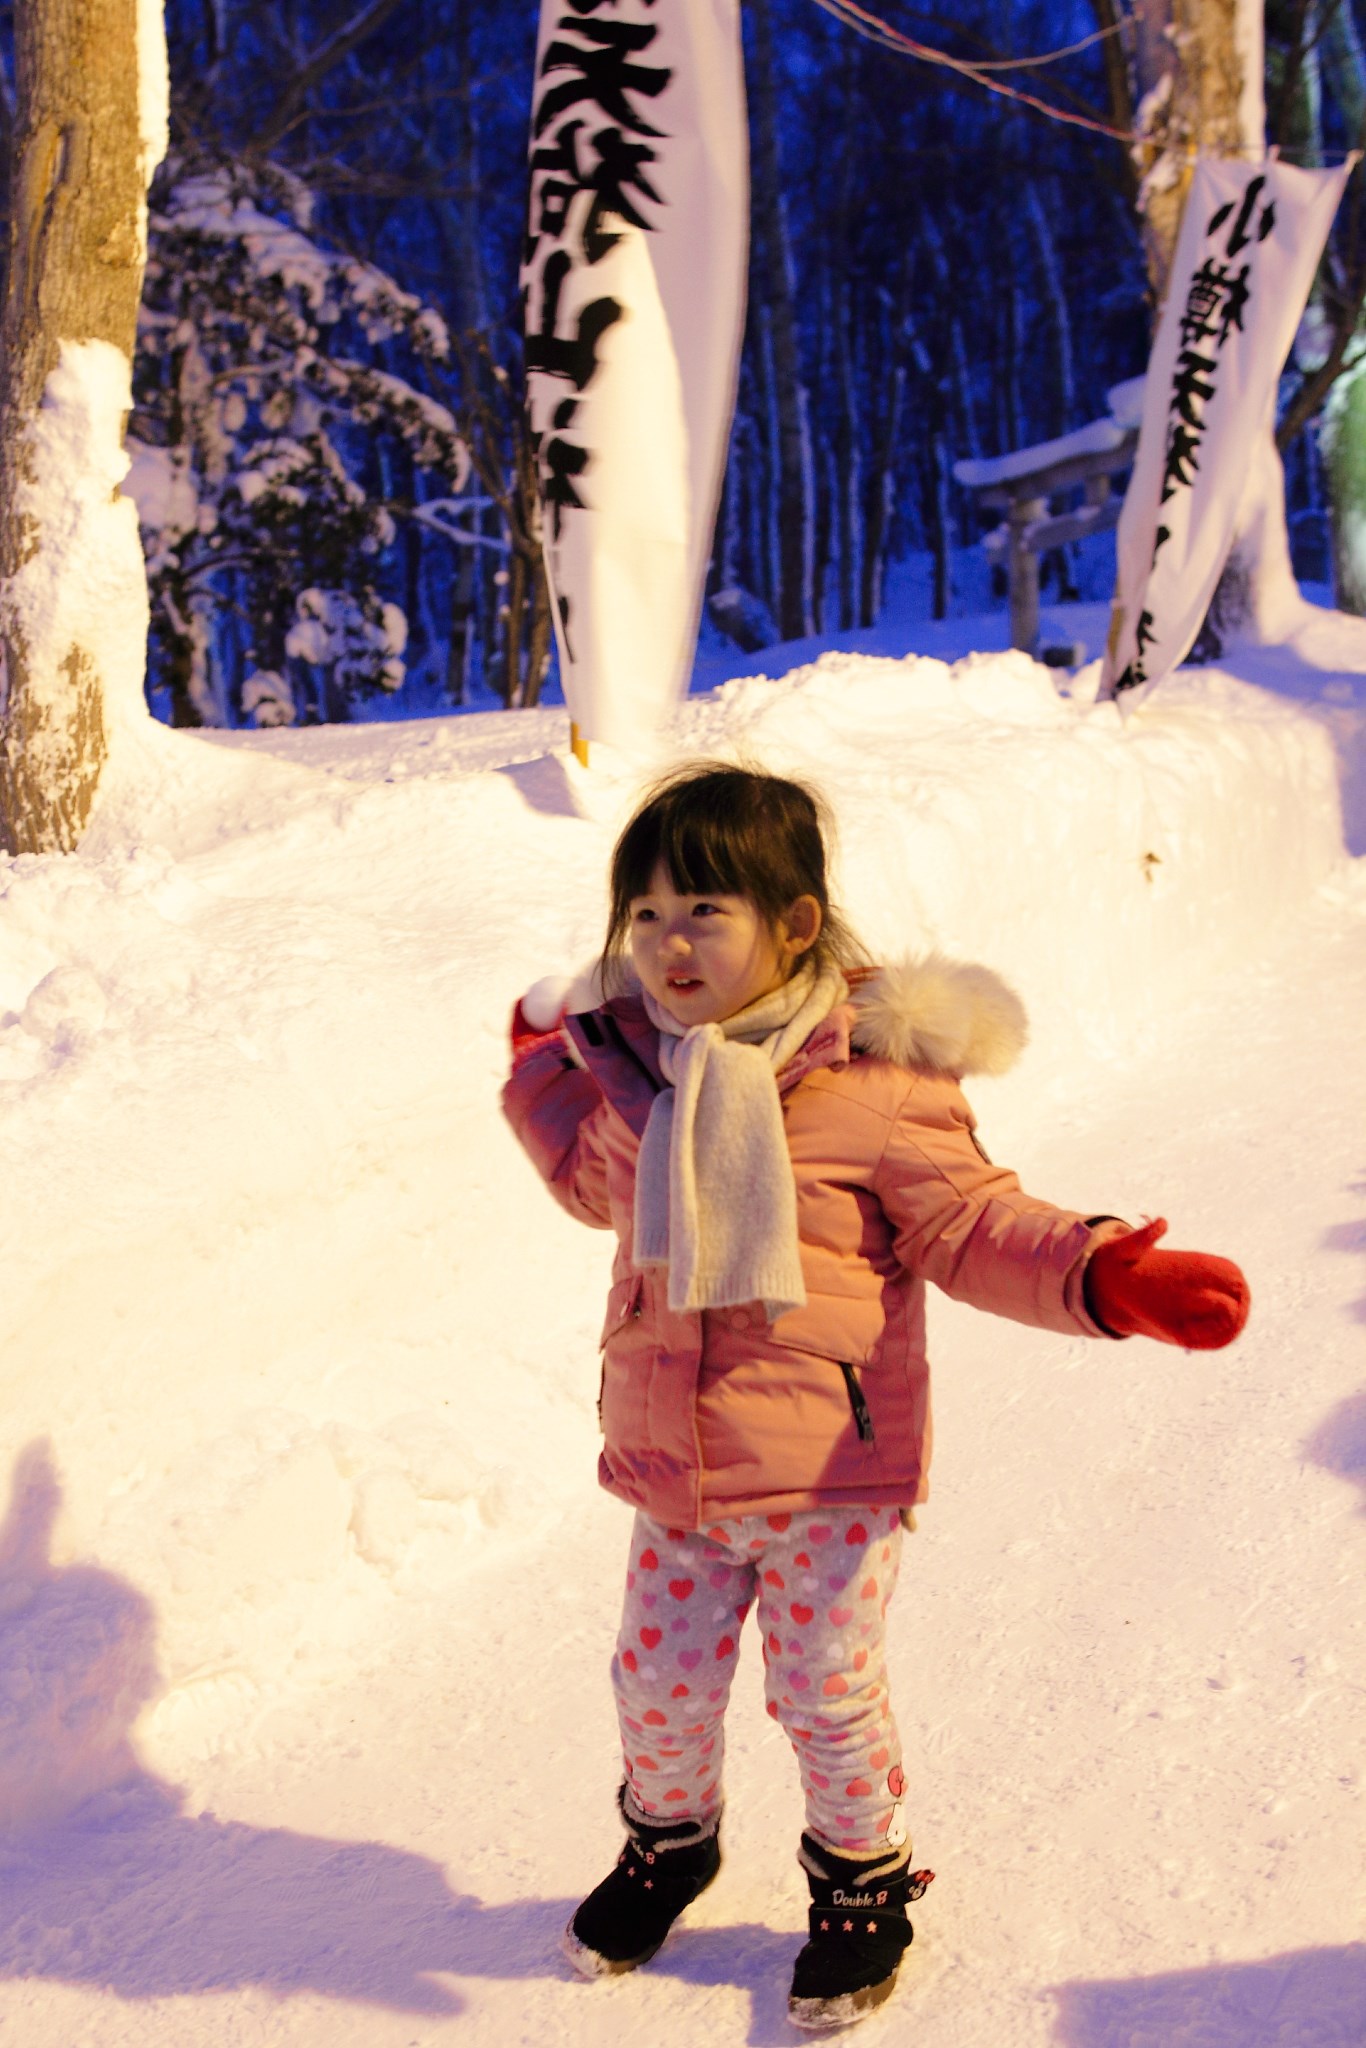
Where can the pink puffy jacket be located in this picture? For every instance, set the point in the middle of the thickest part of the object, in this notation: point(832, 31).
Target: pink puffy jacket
point(714, 1414)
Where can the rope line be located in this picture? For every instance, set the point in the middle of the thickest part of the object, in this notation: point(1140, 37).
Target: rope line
point(1099, 35)
point(875, 30)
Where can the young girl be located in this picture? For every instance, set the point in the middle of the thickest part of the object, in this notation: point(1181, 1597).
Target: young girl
point(776, 1134)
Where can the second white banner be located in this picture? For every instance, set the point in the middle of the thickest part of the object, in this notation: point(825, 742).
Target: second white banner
point(1250, 241)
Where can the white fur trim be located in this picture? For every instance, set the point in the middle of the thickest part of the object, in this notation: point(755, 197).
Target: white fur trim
point(584, 991)
point(543, 1005)
point(940, 1013)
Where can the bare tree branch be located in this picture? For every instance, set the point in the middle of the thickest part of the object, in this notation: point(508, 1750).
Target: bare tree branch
point(324, 59)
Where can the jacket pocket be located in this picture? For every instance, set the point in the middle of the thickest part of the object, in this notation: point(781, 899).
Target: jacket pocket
point(863, 1421)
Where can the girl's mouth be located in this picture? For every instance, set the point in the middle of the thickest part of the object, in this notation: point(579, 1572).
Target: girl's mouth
point(682, 984)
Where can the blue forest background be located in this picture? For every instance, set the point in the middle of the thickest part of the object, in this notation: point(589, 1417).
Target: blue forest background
point(332, 472)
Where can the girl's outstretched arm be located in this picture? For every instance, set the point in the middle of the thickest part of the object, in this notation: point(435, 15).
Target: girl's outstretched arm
point(970, 1227)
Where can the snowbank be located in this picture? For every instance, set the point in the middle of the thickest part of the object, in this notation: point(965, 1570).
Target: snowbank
point(281, 1295)
point(1110, 874)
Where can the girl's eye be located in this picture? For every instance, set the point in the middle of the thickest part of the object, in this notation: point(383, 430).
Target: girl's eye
point(706, 909)
point(642, 916)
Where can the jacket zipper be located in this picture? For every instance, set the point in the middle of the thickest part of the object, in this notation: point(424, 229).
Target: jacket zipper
point(863, 1421)
point(631, 1311)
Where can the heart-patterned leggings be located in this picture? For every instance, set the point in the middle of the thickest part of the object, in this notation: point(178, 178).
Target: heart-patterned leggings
point(822, 1580)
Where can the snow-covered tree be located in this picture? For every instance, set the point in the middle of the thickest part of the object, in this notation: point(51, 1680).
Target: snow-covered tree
point(90, 129)
point(281, 429)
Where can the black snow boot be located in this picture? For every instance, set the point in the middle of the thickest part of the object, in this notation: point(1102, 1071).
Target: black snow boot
point(664, 1866)
point(859, 1932)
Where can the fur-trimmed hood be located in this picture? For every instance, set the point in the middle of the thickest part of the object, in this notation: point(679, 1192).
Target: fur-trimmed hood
point(931, 1011)
point(923, 1011)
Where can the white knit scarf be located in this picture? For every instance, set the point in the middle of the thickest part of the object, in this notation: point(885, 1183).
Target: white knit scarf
point(715, 1200)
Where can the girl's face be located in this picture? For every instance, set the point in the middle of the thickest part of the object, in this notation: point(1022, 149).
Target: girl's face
point(705, 957)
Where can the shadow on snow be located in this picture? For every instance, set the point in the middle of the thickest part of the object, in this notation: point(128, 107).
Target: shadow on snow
point(1351, 1238)
point(1315, 1998)
point(105, 1882)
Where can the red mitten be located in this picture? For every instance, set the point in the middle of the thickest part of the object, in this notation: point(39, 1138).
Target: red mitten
point(1190, 1298)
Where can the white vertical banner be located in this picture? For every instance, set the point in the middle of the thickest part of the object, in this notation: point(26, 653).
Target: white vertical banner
point(634, 292)
point(1250, 241)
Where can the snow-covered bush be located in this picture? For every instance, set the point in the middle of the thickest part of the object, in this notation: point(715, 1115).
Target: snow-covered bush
point(280, 430)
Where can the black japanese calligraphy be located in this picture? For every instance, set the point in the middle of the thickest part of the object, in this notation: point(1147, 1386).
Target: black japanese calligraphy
point(1240, 233)
point(1136, 673)
point(1183, 446)
point(594, 157)
point(1190, 384)
point(604, 73)
point(1216, 301)
point(576, 356)
point(1217, 298)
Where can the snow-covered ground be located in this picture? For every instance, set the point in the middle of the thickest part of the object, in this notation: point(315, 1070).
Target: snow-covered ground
point(306, 1592)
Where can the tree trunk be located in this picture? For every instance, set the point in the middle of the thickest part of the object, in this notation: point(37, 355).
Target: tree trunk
point(538, 635)
point(878, 491)
point(827, 488)
point(73, 588)
point(1192, 94)
point(755, 472)
point(848, 466)
point(460, 648)
point(960, 369)
point(510, 619)
point(525, 613)
point(770, 503)
point(725, 562)
point(1017, 430)
point(821, 506)
point(790, 396)
point(1058, 316)
point(938, 516)
point(469, 282)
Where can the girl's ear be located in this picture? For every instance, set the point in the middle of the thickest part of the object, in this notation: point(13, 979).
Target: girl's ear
point(802, 924)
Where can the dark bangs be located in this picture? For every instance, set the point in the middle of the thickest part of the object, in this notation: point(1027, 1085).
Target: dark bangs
point(734, 831)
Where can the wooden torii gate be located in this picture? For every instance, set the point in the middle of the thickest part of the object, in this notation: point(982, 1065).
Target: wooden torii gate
point(1022, 484)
